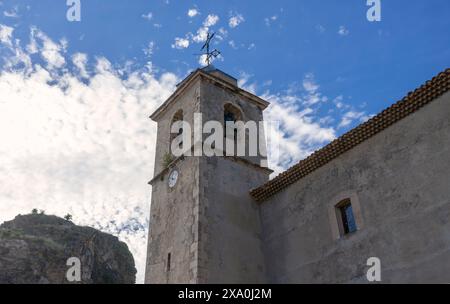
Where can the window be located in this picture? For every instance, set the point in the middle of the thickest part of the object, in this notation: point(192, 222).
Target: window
point(168, 261)
point(228, 116)
point(231, 114)
point(345, 214)
point(347, 218)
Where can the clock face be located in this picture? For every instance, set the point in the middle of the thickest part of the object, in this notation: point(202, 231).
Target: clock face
point(173, 177)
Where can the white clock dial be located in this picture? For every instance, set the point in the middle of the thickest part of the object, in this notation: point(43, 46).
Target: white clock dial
point(173, 177)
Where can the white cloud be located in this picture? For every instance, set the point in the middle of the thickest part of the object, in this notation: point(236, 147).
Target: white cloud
point(80, 61)
point(301, 130)
point(338, 102)
point(221, 34)
point(180, 43)
point(148, 51)
point(202, 59)
point(148, 16)
point(211, 20)
point(343, 31)
point(299, 134)
point(320, 28)
point(192, 12)
point(351, 116)
point(232, 44)
point(49, 50)
point(13, 13)
point(202, 34)
point(244, 83)
point(267, 83)
point(6, 34)
point(79, 146)
point(309, 84)
point(235, 20)
point(312, 95)
point(270, 20)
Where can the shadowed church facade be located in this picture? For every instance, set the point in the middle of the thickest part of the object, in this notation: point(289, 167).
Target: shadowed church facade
point(380, 190)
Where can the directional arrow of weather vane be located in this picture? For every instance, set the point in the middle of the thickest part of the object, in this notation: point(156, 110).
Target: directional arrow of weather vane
point(206, 47)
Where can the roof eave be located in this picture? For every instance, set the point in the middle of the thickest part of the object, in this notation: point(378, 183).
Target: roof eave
point(411, 103)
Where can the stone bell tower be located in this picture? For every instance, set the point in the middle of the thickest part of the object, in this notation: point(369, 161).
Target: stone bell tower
point(204, 226)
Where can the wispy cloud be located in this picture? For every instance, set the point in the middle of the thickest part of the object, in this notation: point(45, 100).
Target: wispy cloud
point(148, 51)
point(76, 137)
point(221, 34)
point(269, 20)
point(193, 12)
point(235, 20)
point(148, 16)
point(80, 61)
point(201, 36)
point(343, 31)
point(202, 32)
point(320, 28)
point(232, 44)
point(6, 35)
point(211, 20)
point(12, 13)
point(180, 43)
point(311, 88)
point(50, 51)
point(300, 129)
point(245, 83)
point(351, 116)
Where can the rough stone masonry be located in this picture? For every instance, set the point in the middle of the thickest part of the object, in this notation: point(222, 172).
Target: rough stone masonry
point(380, 190)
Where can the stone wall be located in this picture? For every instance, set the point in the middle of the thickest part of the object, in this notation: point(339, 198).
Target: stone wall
point(173, 215)
point(173, 226)
point(230, 228)
point(230, 249)
point(401, 178)
point(189, 103)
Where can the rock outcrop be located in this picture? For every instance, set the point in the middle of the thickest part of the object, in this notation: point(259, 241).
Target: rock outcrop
point(35, 248)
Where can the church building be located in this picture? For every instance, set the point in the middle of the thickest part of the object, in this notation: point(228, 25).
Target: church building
point(380, 192)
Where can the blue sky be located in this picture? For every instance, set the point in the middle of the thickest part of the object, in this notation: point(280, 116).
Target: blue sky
point(75, 96)
point(375, 63)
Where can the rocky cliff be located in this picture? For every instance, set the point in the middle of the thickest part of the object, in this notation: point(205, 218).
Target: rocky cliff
point(35, 248)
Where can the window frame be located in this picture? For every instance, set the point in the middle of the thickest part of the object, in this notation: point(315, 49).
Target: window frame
point(238, 115)
point(344, 220)
point(335, 214)
point(169, 262)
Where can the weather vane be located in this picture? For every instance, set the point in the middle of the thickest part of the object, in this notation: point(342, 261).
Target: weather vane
point(209, 54)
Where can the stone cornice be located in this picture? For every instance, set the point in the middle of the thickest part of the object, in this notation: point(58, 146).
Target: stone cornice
point(199, 74)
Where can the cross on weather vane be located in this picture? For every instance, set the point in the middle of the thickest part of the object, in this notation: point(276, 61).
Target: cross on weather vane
point(209, 54)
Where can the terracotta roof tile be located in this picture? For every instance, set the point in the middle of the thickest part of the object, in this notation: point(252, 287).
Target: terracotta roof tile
point(428, 92)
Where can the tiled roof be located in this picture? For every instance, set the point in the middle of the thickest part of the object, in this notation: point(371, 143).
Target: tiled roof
point(431, 90)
